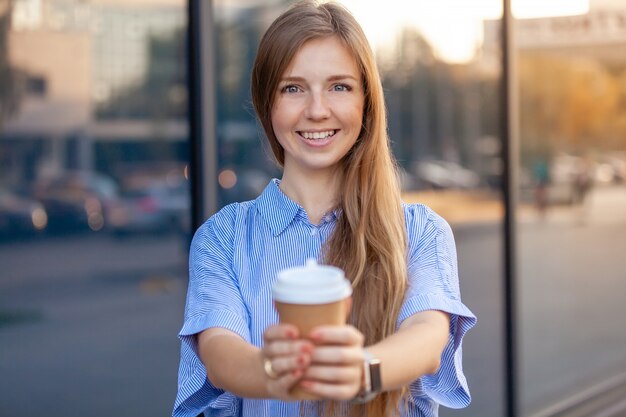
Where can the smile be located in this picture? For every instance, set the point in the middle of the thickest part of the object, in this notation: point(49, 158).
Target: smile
point(317, 135)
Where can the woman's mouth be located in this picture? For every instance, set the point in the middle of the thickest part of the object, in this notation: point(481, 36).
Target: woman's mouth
point(317, 135)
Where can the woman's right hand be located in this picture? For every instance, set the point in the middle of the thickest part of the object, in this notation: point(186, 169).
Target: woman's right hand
point(285, 359)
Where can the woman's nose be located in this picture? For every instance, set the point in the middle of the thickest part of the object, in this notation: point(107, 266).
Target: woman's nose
point(317, 107)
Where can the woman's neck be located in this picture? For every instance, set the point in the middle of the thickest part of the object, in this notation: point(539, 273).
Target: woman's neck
point(317, 192)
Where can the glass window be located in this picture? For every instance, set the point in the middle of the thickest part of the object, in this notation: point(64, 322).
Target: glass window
point(244, 163)
point(571, 216)
point(94, 205)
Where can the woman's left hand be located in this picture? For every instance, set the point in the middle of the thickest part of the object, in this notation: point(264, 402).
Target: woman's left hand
point(336, 369)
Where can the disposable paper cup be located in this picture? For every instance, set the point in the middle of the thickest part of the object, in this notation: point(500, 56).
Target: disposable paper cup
point(311, 296)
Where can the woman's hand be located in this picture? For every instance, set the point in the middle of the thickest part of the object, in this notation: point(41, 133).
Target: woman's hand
point(336, 369)
point(285, 358)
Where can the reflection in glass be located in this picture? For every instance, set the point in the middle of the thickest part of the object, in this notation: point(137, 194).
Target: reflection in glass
point(245, 164)
point(572, 222)
point(94, 205)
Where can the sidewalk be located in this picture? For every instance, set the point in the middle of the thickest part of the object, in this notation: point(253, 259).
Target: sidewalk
point(472, 207)
point(461, 207)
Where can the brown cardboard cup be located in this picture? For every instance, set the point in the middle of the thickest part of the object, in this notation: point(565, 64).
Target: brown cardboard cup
point(311, 296)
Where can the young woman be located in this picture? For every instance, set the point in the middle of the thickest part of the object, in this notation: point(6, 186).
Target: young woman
point(318, 96)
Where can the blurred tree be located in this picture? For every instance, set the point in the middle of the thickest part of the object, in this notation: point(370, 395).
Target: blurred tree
point(409, 78)
point(590, 105)
point(9, 97)
point(436, 109)
point(566, 103)
point(540, 103)
point(241, 139)
point(619, 138)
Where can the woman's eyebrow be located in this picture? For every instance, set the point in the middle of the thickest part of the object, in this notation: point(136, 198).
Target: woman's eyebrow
point(342, 77)
point(292, 79)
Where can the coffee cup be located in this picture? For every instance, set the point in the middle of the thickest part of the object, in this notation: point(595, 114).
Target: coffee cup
point(310, 296)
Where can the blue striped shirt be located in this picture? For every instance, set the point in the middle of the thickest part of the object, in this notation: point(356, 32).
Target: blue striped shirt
point(233, 262)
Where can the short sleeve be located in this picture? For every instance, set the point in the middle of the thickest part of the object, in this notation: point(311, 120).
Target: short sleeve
point(434, 285)
point(213, 300)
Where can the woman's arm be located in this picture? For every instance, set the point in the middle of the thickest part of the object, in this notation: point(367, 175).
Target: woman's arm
point(413, 351)
point(234, 365)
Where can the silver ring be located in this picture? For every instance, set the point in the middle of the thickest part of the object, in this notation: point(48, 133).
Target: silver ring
point(269, 370)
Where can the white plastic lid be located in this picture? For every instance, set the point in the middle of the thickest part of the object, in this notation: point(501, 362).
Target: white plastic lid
point(311, 284)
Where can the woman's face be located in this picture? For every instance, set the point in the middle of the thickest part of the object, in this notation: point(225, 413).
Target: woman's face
point(318, 110)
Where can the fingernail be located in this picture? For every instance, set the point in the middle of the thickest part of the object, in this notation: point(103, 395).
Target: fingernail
point(305, 349)
point(302, 360)
point(306, 384)
point(296, 373)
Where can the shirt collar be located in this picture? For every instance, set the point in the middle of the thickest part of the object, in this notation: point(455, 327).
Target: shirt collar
point(276, 208)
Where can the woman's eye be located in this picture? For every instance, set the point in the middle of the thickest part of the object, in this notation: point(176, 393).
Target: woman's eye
point(291, 89)
point(341, 87)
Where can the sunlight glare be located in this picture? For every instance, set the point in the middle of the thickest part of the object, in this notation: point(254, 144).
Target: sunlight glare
point(453, 27)
point(527, 9)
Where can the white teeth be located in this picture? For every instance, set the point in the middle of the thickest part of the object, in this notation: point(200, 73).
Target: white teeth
point(317, 135)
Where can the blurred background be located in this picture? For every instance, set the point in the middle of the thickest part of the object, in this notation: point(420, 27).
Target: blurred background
point(96, 196)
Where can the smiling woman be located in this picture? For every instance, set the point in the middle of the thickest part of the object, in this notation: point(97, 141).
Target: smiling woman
point(318, 110)
point(318, 95)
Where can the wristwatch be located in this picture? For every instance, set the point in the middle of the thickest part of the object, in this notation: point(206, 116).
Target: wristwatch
point(372, 383)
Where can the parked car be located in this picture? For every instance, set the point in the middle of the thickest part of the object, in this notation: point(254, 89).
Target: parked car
point(160, 207)
point(78, 200)
point(611, 169)
point(444, 174)
point(20, 215)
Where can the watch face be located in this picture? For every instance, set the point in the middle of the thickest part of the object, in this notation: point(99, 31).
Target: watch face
point(375, 380)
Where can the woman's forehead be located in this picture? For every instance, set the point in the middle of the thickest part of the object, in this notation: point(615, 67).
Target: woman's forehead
point(327, 56)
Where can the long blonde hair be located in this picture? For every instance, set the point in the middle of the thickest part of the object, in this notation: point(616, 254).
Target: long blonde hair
point(369, 240)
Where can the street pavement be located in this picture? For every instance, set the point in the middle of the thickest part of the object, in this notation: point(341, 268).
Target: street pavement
point(571, 281)
point(93, 324)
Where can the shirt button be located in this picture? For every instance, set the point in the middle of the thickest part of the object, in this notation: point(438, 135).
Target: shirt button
point(313, 231)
